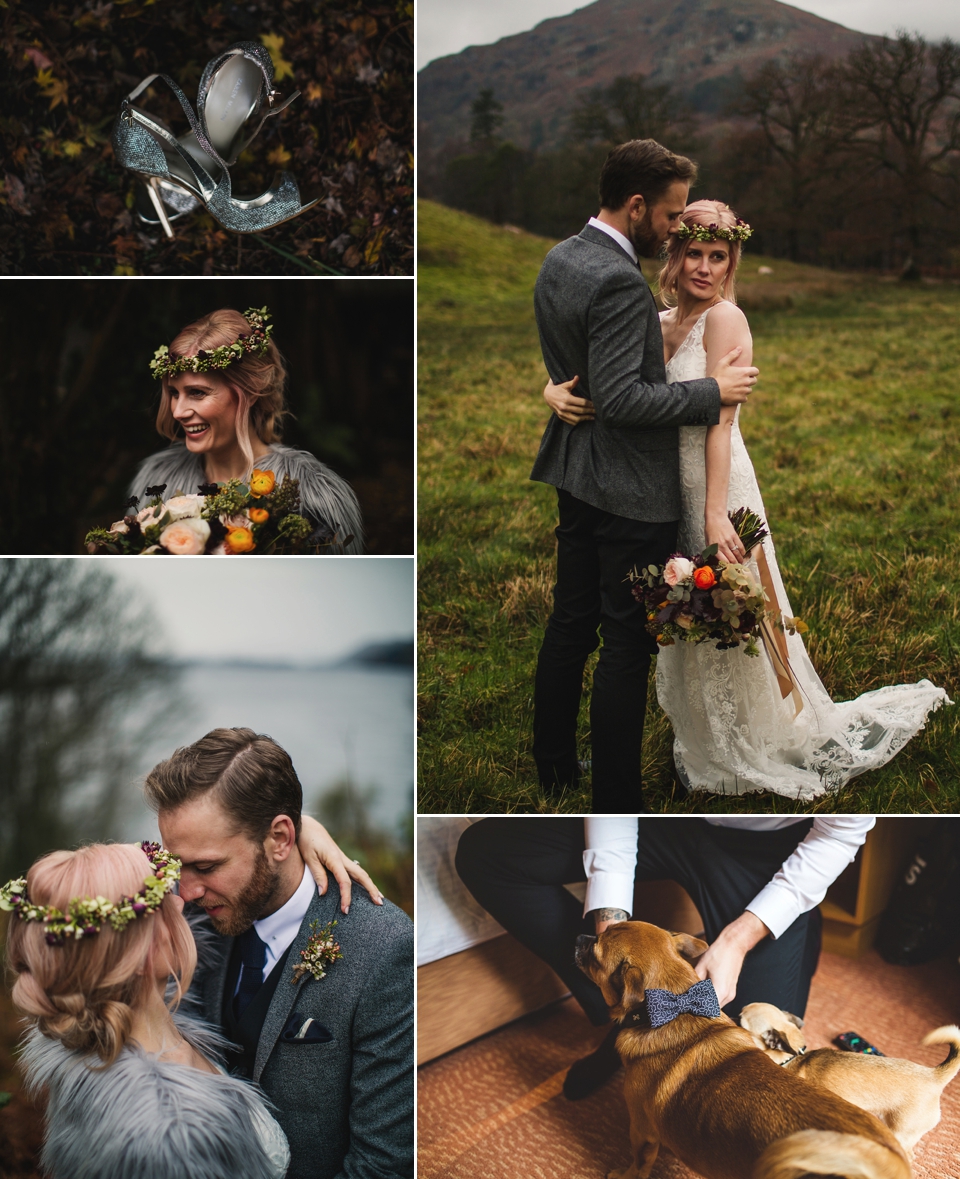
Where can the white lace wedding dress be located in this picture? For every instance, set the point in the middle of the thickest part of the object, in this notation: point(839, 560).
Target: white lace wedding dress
point(733, 733)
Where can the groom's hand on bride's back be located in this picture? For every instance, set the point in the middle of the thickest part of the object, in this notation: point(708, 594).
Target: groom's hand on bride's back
point(735, 381)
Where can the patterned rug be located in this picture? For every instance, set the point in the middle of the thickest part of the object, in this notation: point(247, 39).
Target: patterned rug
point(493, 1109)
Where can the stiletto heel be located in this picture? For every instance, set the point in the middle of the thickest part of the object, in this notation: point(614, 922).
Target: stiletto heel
point(180, 173)
point(153, 191)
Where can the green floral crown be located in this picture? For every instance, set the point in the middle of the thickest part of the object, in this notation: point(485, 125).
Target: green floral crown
point(709, 233)
point(84, 917)
point(164, 364)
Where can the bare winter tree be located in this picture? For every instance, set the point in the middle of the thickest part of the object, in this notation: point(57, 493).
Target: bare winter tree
point(630, 108)
point(904, 97)
point(795, 104)
point(76, 682)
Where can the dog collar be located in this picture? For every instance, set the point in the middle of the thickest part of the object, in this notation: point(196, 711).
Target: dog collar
point(662, 1007)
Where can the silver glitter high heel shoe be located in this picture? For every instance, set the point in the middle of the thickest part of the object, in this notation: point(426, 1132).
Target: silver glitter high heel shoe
point(236, 97)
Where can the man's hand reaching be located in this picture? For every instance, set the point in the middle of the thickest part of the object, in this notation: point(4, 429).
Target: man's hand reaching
point(723, 961)
point(735, 381)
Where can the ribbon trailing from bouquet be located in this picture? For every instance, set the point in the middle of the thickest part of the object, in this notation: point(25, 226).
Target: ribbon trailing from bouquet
point(775, 640)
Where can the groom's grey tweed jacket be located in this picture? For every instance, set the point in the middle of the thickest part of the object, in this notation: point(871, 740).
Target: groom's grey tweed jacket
point(597, 320)
point(346, 1106)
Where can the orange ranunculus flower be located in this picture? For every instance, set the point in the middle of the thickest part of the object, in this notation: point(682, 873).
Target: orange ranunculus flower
point(704, 577)
point(262, 483)
point(258, 515)
point(239, 540)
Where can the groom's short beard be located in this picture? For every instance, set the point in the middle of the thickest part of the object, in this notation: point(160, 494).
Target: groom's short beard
point(253, 901)
point(646, 241)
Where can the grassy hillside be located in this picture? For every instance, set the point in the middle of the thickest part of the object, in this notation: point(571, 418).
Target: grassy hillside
point(856, 440)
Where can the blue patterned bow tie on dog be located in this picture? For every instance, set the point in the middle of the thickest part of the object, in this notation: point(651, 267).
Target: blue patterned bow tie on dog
point(664, 1006)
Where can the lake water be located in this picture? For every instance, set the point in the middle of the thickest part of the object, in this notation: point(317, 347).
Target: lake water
point(354, 721)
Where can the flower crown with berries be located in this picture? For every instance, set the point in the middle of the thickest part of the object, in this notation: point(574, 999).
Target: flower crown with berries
point(84, 916)
point(165, 364)
point(709, 233)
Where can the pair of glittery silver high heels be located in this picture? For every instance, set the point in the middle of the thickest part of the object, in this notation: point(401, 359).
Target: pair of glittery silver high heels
point(234, 100)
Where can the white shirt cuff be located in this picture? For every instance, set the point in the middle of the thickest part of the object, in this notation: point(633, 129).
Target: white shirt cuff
point(610, 862)
point(776, 907)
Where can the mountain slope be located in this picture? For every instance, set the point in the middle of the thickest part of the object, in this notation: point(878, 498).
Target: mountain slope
point(537, 74)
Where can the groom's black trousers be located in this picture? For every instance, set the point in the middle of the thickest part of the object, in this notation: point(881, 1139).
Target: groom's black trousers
point(517, 867)
point(595, 552)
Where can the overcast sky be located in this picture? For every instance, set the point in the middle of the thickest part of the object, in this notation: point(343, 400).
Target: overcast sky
point(447, 26)
point(302, 609)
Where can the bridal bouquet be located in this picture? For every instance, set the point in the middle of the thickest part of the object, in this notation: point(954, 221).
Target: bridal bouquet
point(221, 519)
point(696, 599)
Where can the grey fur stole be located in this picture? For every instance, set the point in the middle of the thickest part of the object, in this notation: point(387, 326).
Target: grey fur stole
point(324, 495)
point(142, 1118)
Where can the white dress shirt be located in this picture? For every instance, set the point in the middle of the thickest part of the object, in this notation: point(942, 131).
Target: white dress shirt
point(617, 236)
point(279, 929)
point(610, 861)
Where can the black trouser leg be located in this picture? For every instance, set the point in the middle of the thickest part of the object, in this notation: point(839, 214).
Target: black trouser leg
point(570, 637)
point(516, 868)
point(595, 552)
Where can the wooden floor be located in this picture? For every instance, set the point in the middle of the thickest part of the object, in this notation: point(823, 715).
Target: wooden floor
point(493, 1109)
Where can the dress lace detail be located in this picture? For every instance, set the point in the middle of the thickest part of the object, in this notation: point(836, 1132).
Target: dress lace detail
point(733, 734)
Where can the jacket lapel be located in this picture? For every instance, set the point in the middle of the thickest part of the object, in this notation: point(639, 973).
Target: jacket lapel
point(322, 909)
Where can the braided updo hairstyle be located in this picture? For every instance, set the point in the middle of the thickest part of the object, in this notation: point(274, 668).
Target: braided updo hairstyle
point(707, 213)
point(258, 380)
point(84, 993)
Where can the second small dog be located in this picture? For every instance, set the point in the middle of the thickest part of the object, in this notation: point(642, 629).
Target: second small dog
point(903, 1095)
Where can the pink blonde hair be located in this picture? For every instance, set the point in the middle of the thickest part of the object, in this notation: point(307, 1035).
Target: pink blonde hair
point(708, 213)
point(83, 993)
point(258, 381)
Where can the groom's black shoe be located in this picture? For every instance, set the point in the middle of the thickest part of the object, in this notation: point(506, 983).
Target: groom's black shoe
point(587, 1075)
point(557, 776)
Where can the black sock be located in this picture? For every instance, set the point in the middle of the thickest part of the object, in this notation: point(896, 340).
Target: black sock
point(587, 1075)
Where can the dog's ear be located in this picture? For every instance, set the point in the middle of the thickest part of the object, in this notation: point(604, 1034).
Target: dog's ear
point(689, 947)
point(794, 1019)
point(634, 991)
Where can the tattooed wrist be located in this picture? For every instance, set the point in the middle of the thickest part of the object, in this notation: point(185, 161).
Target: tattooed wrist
point(610, 915)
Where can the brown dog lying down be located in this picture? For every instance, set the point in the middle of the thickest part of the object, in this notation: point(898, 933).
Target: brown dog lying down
point(702, 1087)
point(903, 1095)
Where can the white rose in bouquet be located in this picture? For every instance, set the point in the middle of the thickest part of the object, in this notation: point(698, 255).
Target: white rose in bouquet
point(182, 507)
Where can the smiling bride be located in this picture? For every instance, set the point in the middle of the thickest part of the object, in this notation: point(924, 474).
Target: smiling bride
point(221, 406)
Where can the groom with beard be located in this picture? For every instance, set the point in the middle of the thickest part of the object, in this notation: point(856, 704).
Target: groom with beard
point(334, 1054)
point(613, 457)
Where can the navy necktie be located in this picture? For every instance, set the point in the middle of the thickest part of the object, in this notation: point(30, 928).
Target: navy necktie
point(253, 955)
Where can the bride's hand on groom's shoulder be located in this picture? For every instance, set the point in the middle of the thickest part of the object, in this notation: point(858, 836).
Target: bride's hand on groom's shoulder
point(568, 408)
point(322, 854)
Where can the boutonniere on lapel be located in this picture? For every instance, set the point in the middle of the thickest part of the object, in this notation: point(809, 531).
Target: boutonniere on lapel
point(321, 951)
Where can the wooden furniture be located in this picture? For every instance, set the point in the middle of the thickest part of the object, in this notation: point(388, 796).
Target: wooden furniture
point(855, 901)
point(480, 989)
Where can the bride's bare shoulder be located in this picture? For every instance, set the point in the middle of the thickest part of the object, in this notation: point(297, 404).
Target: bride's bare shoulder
point(726, 314)
point(725, 320)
